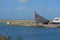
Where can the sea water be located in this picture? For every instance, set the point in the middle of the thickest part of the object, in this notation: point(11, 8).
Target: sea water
point(30, 33)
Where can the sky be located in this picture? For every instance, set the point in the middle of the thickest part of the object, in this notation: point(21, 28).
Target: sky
point(25, 9)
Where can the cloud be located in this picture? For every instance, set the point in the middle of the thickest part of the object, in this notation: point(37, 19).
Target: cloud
point(44, 9)
point(49, 9)
point(21, 9)
point(22, 1)
point(0, 4)
point(57, 9)
point(41, 7)
point(52, 10)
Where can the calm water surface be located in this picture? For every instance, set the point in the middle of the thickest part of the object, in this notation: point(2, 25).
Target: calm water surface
point(30, 33)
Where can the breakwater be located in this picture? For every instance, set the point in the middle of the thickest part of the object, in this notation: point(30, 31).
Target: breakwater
point(28, 23)
point(19, 22)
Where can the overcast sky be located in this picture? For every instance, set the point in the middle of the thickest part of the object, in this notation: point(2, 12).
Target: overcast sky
point(24, 9)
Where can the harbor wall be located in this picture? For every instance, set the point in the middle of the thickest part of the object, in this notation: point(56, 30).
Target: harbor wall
point(20, 22)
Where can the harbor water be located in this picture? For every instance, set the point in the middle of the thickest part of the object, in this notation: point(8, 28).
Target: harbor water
point(30, 33)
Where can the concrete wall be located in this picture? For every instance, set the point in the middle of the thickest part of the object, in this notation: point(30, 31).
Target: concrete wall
point(20, 22)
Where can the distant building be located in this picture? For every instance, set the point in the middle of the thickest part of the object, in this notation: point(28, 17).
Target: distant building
point(56, 20)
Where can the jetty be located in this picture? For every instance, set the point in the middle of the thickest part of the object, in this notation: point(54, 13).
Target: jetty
point(27, 23)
